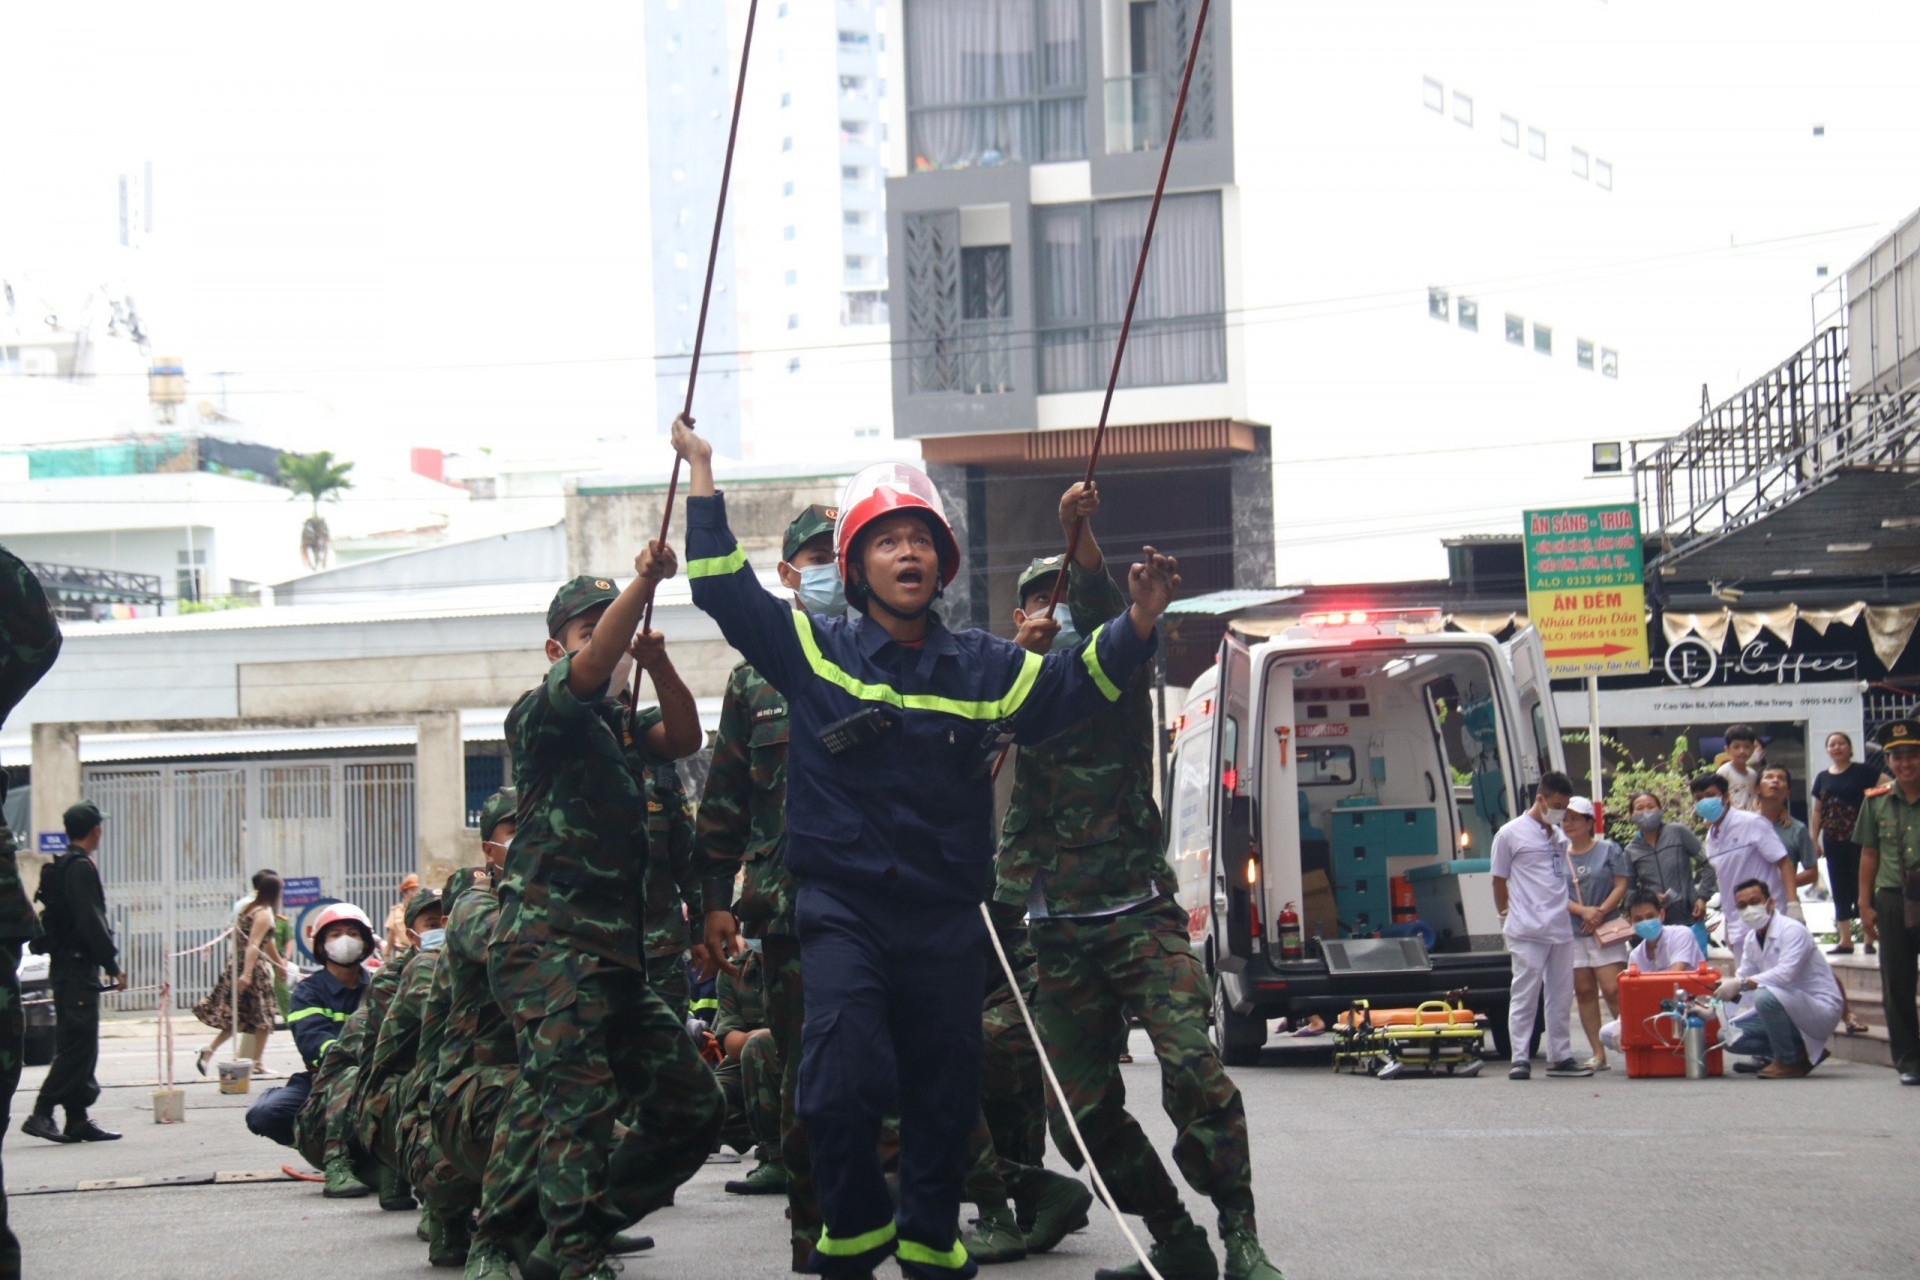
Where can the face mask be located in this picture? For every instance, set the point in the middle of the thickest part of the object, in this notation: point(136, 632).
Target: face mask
point(1648, 822)
point(1755, 916)
point(1710, 809)
point(820, 590)
point(1067, 636)
point(432, 938)
point(622, 678)
point(1556, 816)
point(1647, 929)
point(345, 948)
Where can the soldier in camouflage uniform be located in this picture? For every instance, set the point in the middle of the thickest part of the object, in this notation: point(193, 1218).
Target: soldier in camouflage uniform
point(749, 1074)
point(741, 833)
point(1082, 850)
point(625, 1110)
point(378, 1106)
point(672, 905)
point(29, 643)
point(327, 1129)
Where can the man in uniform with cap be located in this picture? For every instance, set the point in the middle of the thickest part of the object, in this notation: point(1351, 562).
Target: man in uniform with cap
point(1081, 848)
point(1888, 832)
point(741, 834)
point(614, 1108)
point(79, 945)
point(29, 644)
point(391, 1052)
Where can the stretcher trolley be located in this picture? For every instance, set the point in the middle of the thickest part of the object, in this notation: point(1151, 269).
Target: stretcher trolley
point(1654, 1010)
point(1386, 1042)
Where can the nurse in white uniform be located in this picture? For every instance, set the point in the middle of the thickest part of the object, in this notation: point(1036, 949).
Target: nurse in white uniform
point(1739, 846)
point(1662, 948)
point(1786, 984)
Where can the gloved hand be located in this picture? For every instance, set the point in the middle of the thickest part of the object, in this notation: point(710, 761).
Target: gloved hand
point(1729, 989)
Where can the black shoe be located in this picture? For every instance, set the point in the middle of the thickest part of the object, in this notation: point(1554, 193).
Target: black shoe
point(1910, 1077)
point(40, 1126)
point(1521, 1071)
point(83, 1129)
point(1749, 1066)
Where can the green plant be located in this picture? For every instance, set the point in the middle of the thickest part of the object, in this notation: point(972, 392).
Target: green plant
point(1665, 779)
point(217, 604)
point(315, 476)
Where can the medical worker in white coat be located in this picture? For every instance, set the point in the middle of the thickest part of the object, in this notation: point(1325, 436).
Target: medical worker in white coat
point(1740, 846)
point(1793, 999)
point(1662, 948)
point(1531, 888)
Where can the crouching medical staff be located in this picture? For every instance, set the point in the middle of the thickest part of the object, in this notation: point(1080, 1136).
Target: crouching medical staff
point(894, 721)
point(1663, 948)
point(1793, 997)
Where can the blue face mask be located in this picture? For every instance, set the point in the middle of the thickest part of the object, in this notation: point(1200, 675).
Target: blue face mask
point(432, 938)
point(1647, 929)
point(820, 590)
point(1710, 808)
point(1067, 637)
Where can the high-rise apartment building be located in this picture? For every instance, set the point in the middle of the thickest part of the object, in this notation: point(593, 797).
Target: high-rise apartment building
point(1415, 259)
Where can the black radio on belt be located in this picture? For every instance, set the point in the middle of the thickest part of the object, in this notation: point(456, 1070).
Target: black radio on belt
point(858, 729)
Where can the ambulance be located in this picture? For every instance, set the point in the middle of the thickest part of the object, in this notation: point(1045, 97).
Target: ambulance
point(1332, 797)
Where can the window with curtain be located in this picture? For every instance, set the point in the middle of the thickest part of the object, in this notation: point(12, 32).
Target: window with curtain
point(993, 82)
point(1085, 257)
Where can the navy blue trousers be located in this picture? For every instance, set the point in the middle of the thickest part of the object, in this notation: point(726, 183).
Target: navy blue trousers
point(893, 996)
point(273, 1114)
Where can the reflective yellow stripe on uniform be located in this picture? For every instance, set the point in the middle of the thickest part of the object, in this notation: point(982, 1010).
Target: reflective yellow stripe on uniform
point(998, 709)
point(717, 566)
point(853, 1245)
point(1090, 655)
point(324, 1046)
point(953, 1258)
point(316, 1011)
point(701, 1006)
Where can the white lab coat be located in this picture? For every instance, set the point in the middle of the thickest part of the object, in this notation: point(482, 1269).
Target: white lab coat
point(1790, 965)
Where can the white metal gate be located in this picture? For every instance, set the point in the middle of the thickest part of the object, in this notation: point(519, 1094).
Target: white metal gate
point(183, 841)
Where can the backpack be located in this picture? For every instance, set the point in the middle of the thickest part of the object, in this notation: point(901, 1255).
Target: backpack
point(55, 919)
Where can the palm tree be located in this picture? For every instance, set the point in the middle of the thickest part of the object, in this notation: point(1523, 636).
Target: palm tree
point(315, 476)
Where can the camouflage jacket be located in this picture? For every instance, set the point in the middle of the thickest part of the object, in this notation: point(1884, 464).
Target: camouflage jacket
point(743, 811)
point(1082, 819)
point(398, 1042)
point(475, 1033)
point(29, 643)
point(576, 870)
point(741, 1006)
point(671, 901)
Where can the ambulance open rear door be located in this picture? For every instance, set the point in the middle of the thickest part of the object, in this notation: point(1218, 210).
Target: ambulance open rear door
point(1536, 726)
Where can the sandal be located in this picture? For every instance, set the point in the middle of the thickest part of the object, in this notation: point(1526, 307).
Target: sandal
point(1855, 1027)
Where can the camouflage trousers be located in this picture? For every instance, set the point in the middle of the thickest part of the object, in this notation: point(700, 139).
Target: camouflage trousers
point(1009, 1140)
point(463, 1120)
point(1092, 974)
point(615, 1107)
point(751, 1083)
point(667, 975)
point(13, 1034)
point(786, 1007)
point(325, 1127)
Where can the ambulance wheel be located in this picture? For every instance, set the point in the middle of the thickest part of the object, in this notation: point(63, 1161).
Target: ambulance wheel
point(1235, 1037)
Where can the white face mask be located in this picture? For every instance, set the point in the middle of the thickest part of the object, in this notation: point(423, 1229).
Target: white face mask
point(432, 938)
point(345, 948)
point(1755, 916)
point(1556, 816)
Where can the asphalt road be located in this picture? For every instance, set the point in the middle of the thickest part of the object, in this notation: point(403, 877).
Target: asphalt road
point(1355, 1177)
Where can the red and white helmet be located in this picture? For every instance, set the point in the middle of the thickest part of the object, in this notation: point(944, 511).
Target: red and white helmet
point(343, 911)
point(891, 488)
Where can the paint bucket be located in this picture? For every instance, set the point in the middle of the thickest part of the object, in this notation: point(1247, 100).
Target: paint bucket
point(236, 1076)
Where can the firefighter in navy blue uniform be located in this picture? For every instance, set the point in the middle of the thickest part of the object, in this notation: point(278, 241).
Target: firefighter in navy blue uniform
point(322, 1003)
point(894, 721)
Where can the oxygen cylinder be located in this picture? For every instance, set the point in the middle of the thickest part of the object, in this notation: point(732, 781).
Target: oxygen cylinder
point(1694, 1042)
point(1290, 948)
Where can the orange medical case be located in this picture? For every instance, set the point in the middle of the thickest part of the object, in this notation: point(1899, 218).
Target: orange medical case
point(1652, 1043)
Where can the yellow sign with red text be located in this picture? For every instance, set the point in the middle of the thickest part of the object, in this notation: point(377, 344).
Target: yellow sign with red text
point(1585, 592)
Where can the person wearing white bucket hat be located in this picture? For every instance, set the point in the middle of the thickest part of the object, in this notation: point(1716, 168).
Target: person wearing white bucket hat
point(1599, 884)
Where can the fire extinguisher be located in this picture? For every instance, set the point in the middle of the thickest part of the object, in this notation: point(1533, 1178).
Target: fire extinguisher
point(1290, 948)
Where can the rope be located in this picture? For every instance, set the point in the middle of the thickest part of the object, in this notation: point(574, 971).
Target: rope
point(1060, 1095)
point(1126, 321)
point(706, 295)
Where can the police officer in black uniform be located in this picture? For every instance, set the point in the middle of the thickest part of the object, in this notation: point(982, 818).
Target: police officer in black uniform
point(79, 944)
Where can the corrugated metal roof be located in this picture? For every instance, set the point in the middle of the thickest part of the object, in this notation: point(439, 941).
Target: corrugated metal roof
point(1215, 603)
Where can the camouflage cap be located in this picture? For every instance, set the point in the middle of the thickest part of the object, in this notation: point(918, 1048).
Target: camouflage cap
point(583, 593)
point(500, 807)
point(84, 814)
point(1042, 570)
point(425, 900)
point(1900, 733)
point(458, 883)
point(808, 525)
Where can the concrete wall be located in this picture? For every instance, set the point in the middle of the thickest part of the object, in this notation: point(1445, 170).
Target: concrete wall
point(607, 526)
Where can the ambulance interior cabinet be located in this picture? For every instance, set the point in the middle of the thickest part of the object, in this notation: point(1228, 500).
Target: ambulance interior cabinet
point(1456, 898)
point(1363, 840)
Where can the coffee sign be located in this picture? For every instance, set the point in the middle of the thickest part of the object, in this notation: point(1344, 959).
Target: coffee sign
point(1696, 664)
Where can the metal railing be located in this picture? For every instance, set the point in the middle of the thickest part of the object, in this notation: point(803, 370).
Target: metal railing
point(1784, 435)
